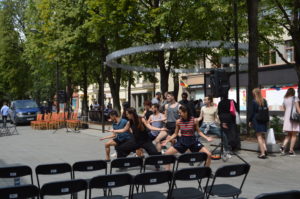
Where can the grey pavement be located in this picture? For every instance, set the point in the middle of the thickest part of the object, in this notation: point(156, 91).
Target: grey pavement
point(34, 147)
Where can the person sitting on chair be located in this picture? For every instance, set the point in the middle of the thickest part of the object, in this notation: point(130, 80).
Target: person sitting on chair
point(210, 124)
point(157, 120)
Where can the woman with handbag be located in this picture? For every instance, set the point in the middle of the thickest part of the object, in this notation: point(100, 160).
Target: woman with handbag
point(290, 127)
point(259, 120)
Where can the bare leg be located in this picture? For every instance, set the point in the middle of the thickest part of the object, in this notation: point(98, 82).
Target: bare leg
point(107, 148)
point(170, 151)
point(293, 141)
point(208, 161)
point(261, 143)
point(157, 140)
point(286, 139)
point(139, 152)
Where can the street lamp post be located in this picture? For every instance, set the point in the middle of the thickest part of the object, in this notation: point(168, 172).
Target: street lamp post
point(236, 52)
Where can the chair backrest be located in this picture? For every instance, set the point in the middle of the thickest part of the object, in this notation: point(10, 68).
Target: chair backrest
point(232, 170)
point(160, 160)
point(16, 171)
point(47, 116)
point(52, 169)
point(191, 174)
point(191, 158)
point(126, 163)
point(280, 195)
point(110, 181)
point(54, 116)
point(74, 116)
point(152, 178)
point(39, 117)
point(229, 171)
point(64, 188)
point(19, 192)
point(92, 165)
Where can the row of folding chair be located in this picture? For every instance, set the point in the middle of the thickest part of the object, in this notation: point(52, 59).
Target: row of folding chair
point(96, 165)
point(137, 184)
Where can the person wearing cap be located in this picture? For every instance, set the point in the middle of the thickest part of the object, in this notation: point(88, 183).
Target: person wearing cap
point(156, 99)
point(116, 138)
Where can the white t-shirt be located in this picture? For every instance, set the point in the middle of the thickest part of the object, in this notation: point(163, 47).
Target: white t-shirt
point(209, 114)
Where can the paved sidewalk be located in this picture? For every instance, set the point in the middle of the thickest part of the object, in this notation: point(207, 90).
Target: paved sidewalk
point(34, 147)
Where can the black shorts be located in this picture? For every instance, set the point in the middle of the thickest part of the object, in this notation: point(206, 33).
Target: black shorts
point(151, 136)
point(116, 140)
point(171, 126)
point(183, 144)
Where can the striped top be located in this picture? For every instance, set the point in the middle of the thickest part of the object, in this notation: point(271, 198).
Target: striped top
point(187, 127)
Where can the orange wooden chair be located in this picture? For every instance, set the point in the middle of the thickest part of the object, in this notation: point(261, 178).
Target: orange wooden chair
point(39, 120)
point(62, 118)
point(53, 123)
point(74, 122)
point(44, 124)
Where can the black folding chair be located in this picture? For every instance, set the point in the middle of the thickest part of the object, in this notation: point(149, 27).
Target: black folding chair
point(19, 192)
point(151, 178)
point(192, 158)
point(89, 166)
point(227, 190)
point(155, 160)
point(61, 188)
point(52, 169)
point(280, 195)
point(128, 162)
point(108, 182)
point(16, 172)
point(190, 174)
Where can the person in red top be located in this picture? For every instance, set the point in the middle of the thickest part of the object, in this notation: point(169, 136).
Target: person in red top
point(187, 126)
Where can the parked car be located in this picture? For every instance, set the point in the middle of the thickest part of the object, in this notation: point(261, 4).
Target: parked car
point(24, 111)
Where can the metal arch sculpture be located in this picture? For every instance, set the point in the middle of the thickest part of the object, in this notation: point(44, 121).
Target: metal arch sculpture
point(110, 59)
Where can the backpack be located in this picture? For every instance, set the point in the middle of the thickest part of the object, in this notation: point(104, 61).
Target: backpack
point(262, 115)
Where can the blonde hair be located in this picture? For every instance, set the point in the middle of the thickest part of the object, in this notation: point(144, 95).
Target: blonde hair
point(258, 97)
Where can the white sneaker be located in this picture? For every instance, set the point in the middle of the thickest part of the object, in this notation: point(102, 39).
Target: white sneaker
point(113, 155)
point(226, 156)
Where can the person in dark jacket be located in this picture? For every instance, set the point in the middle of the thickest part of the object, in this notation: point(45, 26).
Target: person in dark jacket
point(259, 126)
point(185, 102)
point(228, 124)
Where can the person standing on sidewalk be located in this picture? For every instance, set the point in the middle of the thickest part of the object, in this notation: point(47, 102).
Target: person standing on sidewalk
point(171, 112)
point(4, 113)
point(291, 128)
point(259, 120)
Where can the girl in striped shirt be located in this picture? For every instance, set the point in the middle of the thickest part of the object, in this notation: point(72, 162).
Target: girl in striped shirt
point(187, 126)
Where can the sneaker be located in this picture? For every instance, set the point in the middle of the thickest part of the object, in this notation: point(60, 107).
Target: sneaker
point(282, 150)
point(113, 155)
point(226, 156)
point(292, 153)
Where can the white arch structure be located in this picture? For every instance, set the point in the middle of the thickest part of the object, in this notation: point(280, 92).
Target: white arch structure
point(111, 58)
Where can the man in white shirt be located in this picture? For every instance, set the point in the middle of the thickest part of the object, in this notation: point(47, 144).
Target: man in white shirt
point(4, 113)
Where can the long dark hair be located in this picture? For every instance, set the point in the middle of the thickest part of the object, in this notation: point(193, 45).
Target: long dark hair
point(290, 93)
point(136, 119)
point(185, 110)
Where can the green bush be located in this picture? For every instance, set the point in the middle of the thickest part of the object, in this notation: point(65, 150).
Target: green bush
point(276, 123)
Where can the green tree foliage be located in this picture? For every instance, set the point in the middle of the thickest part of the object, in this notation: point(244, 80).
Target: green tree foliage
point(14, 72)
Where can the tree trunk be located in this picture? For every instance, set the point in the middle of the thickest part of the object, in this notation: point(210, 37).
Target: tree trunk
point(176, 85)
point(129, 87)
point(252, 6)
point(85, 88)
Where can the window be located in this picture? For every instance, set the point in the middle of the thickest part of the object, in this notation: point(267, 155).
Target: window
point(269, 57)
point(289, 51)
